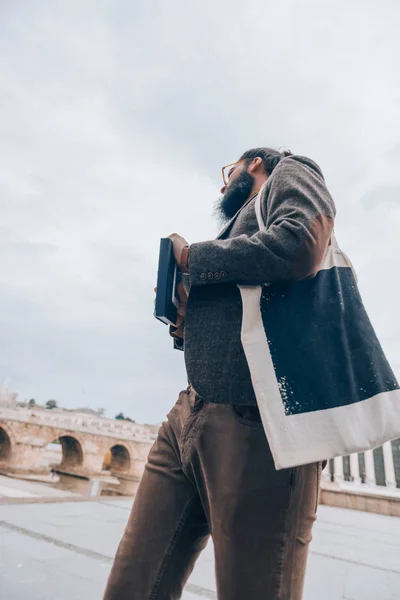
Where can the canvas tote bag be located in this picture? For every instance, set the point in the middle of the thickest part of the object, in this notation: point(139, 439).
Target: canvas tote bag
point(323, 385)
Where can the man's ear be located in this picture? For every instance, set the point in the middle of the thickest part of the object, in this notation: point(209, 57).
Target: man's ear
point(255, 164)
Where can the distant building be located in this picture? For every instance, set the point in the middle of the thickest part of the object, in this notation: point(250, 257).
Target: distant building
point(7, 399)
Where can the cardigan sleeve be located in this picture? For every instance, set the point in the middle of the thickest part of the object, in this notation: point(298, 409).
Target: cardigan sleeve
point(300, 222)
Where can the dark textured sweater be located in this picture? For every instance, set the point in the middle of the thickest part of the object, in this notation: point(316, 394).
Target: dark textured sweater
point(299, 214)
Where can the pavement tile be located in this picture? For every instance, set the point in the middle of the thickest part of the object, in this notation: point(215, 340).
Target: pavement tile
point(23, 578)
point(324, 578)
point(189, 596)
point(364, 583)
point(94, 570)
point(353, 556)
point(29, 547)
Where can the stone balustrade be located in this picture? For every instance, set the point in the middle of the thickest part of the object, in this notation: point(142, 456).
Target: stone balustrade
point(89, 443)
point(369, 480)
point(80, 422)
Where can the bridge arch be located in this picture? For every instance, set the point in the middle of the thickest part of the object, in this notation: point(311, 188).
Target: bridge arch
point(72, 449)
point(5, 444)
point(118, 459)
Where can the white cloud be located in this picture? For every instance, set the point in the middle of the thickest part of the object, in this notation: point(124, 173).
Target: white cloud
point(114, 121)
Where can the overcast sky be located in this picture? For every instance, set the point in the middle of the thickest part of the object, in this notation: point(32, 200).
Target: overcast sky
point(115, 119)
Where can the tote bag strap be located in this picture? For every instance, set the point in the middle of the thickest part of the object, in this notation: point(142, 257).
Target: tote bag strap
point(260, 220)
point(337, 250)
point(262, 227)
point(261, 224)
point(334, 243)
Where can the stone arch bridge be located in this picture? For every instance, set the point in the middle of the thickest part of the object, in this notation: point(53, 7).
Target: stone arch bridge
point(89, 443)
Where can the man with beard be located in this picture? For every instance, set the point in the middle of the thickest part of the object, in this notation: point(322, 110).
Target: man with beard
point(211, 471)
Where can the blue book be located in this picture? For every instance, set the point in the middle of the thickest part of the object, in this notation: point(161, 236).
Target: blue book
point(168, 277)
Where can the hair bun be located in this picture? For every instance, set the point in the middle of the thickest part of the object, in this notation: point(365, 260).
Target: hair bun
point(274, 161)
point(285, 152)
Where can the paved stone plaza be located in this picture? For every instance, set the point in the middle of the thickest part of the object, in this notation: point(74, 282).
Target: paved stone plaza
point(63, 551)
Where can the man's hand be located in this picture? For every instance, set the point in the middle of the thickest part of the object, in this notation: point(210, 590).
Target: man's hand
point(179, 329)
point(183, 300)
point(179, 243)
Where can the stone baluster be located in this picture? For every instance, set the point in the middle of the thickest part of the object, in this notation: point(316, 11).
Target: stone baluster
point(338, 475)
point(369, 468)
point(355, 469)
point(326, 473)
point(390, 474)
point(95, 485)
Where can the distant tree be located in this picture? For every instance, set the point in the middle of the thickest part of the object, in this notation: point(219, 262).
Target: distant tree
point(101, 411)
point(51, 404)
point(121, 417)
point(32, 403)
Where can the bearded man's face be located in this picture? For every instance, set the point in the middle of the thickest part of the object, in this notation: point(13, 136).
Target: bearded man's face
point(235, 194)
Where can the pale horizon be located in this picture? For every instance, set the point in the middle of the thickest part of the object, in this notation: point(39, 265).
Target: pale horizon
point(116, 120)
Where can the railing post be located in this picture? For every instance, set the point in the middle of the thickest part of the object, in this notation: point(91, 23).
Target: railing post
point(369, 468)
point(355, 469)
point(390, 474)
point(326, 473)
point(338, 475)
point(94, 488)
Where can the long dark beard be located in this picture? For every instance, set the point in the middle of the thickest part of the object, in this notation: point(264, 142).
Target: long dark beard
point(235, 196)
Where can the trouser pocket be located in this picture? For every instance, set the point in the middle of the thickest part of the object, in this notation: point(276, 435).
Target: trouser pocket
point(247, 415)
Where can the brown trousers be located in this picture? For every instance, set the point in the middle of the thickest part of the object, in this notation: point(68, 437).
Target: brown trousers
point(211, 472)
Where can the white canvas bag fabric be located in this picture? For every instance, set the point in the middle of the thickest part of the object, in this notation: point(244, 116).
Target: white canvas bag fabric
point(303, 437)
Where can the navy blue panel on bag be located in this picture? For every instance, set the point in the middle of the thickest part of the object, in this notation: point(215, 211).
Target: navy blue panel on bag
point(324, 349)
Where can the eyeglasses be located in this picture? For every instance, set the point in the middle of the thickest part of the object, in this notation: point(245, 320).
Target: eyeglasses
point(227, 171)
